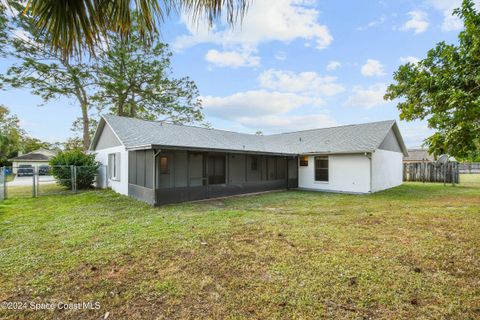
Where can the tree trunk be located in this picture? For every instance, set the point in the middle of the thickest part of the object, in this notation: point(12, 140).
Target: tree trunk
point(86, 127)
point(120, 111)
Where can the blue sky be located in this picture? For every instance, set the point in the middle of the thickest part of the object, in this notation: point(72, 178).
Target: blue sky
point(291, 65)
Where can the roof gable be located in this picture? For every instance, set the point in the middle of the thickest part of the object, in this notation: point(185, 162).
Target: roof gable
point(391, 142)
point(107, 139)
point(104, 137)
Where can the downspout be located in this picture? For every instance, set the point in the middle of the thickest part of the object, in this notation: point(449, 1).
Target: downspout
point(155, 155)
point(369, 156)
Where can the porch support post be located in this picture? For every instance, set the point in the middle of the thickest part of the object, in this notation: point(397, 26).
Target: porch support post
point(155, 155)
point(188, 168)
point(288, 164)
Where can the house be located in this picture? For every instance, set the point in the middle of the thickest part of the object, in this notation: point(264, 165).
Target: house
point(423, 156)
point(35, 159)
point(418, 156)
point(161, 163)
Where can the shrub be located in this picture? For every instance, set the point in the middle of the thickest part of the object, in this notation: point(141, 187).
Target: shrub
point(86, 168)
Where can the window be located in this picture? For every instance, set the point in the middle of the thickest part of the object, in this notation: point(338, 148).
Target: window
point(164, 165)
point(254, 164)
point(304, 161)
point(114, 166)
point(321, 169)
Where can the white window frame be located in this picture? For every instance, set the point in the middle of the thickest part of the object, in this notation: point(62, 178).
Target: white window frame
point(315, 169)
point(114, 166)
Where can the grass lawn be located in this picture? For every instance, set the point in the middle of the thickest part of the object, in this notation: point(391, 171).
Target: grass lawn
point(43, 189)
point(410, 252)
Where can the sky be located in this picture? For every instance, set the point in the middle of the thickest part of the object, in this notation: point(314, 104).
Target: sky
point(290, 65)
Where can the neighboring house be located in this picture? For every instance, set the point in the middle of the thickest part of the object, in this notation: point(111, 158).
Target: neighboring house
point(418, 155)
point(162, 163)
point(36, 158)
point(422, 156)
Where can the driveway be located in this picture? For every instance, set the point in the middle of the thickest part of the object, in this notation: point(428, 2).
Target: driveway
point(27, 181)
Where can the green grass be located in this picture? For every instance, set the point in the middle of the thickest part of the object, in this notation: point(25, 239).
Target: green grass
point(43, 189)
point(410, 252)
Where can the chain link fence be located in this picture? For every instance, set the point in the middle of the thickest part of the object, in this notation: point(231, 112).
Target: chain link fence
point(2, 184)
point(34, 181)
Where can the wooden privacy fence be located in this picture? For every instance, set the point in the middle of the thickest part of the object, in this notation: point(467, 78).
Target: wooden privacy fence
point(469, 167)
point(431, 172)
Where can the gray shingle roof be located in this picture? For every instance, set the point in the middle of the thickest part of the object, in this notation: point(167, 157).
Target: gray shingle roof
point(416, 155)
point(31, 157)
point(37, 155)
point(135, 133)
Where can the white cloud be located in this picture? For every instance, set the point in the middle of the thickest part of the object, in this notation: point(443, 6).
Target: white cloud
point(286, 123)
point(281, 55)
point(268, 111)
point(372, 24)
point(372, 68)
point(409, 59)
point(367, 98)
point(333, 65)
point(286, 101)
point(266, 20)
point(305, 82)
point(450, 22)
point(418, 22)
point(255, 103)
point(232, 59)
point(415, 132)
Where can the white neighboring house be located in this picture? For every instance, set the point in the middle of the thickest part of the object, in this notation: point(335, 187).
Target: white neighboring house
point(35, 159)
point(160, 163)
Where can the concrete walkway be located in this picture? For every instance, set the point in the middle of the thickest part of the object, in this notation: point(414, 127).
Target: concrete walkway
point(28, 181)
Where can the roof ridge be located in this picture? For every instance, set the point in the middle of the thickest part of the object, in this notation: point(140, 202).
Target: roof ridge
point(249, 134)
point(179, 125)
point(340, 126)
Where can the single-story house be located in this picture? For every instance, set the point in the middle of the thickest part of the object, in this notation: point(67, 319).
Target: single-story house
point(418, 156)
point(35, 159)
point(423, 156)
point(161, 163)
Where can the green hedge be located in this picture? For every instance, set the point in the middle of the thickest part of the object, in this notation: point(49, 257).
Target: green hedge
point(86, 168)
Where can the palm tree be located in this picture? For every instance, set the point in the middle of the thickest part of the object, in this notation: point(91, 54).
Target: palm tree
point(75, 25)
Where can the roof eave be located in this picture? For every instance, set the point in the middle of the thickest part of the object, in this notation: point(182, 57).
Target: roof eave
point(27, 160)
point(199, 149)
point(336, 152)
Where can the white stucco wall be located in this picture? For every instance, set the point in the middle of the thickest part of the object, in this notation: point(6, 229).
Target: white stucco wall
point(101, 156)
point(34, 164)
point(387, 169)
point(347, 173)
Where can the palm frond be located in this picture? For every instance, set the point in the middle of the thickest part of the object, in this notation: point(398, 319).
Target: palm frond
point(77, 25)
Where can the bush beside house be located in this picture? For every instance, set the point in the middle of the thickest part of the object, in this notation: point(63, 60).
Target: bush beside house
point(86, 168)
